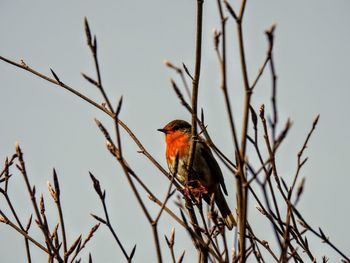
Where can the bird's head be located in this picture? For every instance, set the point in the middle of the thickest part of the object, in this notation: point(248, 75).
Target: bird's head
point(176, 126)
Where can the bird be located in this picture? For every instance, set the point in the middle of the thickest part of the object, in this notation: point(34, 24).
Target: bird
point(205, 170)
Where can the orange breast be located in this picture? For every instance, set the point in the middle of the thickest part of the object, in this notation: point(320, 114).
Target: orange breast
point(177, 142)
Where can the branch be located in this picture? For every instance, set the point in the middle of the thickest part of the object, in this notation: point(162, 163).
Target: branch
point(58, 83)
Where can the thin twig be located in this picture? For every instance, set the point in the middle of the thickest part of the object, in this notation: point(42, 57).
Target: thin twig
point(57, 200)
point(195, 85)
point(5, 220)
point(180, 72)
point(127, 170)
point(14, 213)
point(241, 185)
point(320, 235)
point(93, 47)
point(31, 192)
point(106, 221)
point(58, 83)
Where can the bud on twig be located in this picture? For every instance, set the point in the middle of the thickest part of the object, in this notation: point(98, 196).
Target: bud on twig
point(132, 252)
point(262, 112)
point(261, 210)
point(254, 117)
point(54, 231)
point(104, 131)
point(56, 184)
point(270, 34)
point(168, 64)
point(172, 66)
point(29, 223)
point(230, 9)
point(87, 32)
point(187, 71)
point(216, 35)
point(18, 150)
point(323, 236)
point(24, 64)
point(91, 233)
point(94, 46)
point(97, 186)
point(74, 245)
point(55, 76)
point(301, 187)
point(172, 236)
point(91, 80)
point(111, 148)
point(52, 191)
point(42, 205)
point(99, 219)
point(119, 107)
point(181, 257)
point(315, 121)
point(3, 220)
point(265, 243)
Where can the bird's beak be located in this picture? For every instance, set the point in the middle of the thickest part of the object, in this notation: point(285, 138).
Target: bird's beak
point(162, 130)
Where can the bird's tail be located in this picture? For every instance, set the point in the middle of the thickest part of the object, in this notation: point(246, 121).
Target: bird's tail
point(224, 210)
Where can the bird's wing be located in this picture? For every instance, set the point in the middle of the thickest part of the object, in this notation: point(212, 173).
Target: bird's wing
point(212, 164)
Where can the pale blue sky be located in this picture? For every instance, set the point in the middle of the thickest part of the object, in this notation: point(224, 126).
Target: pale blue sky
point(56, 129)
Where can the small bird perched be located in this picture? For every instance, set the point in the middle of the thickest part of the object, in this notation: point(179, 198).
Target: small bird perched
point(205, 169)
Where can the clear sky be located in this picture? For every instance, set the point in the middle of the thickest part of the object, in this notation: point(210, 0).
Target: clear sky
point(56, 129)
